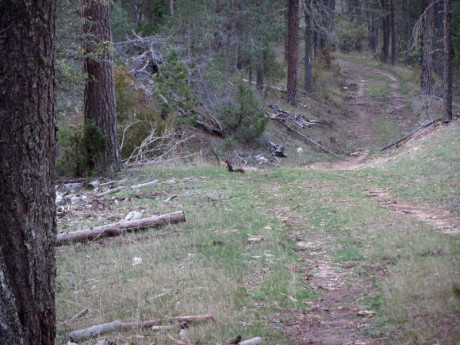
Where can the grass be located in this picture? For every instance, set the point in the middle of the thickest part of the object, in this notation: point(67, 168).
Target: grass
point(207, 266)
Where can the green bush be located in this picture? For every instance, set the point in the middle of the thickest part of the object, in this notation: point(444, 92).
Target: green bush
point(172, 91)
point(244, 120)
point(79, 149)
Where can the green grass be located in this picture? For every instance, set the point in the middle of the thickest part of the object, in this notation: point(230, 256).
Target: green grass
point(206, 266)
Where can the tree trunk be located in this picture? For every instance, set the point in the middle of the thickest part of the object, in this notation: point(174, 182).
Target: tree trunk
point(100, 104)
point(133, 11)
point(407, 32)
point(27, 173)
point(447, 68)
point(427, 56)
point(293, 51)
point(385, 30)
point(308, 86)
point(394, 43)
point(260, 71)
point(438, 38)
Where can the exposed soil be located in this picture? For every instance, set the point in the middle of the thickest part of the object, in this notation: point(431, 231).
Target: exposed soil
point(336, 317)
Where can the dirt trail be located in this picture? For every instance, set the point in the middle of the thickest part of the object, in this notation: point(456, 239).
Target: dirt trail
point(337, 318)
point(363, 114)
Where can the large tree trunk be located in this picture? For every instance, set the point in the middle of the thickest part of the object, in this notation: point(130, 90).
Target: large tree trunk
point(293, 51)
point(394, 43)
point(100, 104)
point(447, 68)
point(27, 173)
point(308, 86)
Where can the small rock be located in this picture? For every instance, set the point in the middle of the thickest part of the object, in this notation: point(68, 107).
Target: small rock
point(137, 261)
point(133, 215)
point(60, 201)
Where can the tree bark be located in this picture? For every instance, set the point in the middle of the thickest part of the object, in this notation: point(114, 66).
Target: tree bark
point(100, 104)
point(308, 10)
point(27, 172)
point(447, 68)
point(293, 51)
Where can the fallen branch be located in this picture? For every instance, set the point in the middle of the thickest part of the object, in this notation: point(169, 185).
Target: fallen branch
point(310, 140)
point(94, 331)
point(75, 317)
point(97, 330)
point(409, 135)
point(119, 189)
point(116, 229)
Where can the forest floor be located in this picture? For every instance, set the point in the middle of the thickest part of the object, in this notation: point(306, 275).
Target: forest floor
point(361, 251)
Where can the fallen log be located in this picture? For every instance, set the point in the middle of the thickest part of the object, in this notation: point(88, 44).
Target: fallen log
point(116, 229)
point(94, 331)
point(119, 189)
point(428, 124)
point(97, 330)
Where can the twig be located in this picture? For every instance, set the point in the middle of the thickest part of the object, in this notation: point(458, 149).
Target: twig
point(75, 317)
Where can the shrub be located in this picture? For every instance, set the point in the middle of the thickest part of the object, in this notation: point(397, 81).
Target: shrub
point(244, 120)
point(172, 92)
point(79, 149)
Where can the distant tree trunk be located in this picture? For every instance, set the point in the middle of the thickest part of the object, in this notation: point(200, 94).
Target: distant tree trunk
point(286, 34)
point(427, 56)
point(308, 11)
point(385, 30)
point(394, 43)
point(438, 38)
point(100, 104)
point(27, 173)
point(447, 68)
point(406, 32)
point(132, 10)
point(293, 51)
point(260, 72)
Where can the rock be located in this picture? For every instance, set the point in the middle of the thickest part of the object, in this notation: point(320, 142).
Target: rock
point(60, 200)
point(133, 215)
point(137, 261)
